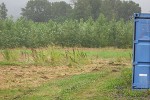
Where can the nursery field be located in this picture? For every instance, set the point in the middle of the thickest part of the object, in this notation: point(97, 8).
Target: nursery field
point(56, 73)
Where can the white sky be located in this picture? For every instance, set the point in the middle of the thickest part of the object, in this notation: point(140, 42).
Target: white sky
point(14, 6)
point(145, 4)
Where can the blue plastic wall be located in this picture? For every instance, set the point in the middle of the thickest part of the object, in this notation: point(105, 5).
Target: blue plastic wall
point(141, 52)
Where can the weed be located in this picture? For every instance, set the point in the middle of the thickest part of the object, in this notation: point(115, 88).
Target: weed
point(56, 56)
point(39, 57)
point(121, 86)
point(76, 57)
point(10, 55)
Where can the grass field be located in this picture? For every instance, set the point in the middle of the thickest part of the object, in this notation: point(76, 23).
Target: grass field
point(67, 74)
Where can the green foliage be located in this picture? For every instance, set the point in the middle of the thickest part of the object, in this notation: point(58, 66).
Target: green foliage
point(71, 33)
point(110, 8)
point(50, 56)
point(61, 11)
point(121, 86)
point(37, 10)
point(10, 55)
point(43, 10)
point(76, 57)
point(126, 77)
point(124, 80)
point(3, 11)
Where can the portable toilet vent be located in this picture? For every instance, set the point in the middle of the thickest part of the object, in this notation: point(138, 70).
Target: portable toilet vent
point(141, 52)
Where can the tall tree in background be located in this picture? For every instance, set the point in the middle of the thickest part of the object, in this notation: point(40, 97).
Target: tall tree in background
point(3, 11)
point(127, 9)
point(43, 10)
point(95, 8)
point(112, 9)
point(61, 11)
point(119, 9)
point(86, 8)
point(82, 9)
point(109, 7)
point(37, 10)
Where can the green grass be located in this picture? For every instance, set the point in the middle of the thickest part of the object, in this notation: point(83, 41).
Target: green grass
point(113, 53)
point(111, 82)
point(64, 89)
point(101, 85)
point(51, 56)
point(6, 63)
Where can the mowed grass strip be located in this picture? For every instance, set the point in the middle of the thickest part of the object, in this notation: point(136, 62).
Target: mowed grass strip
point(101, 85)
point(90, 86)
point(73, 87)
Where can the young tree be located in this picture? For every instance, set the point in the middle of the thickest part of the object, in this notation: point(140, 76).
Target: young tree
point(37, 10)
point(3, 11)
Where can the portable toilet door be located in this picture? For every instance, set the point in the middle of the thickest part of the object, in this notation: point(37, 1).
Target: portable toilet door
point(141, 52)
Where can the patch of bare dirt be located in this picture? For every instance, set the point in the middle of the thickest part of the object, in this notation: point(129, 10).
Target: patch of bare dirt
point(29, 76)
point(33, 76)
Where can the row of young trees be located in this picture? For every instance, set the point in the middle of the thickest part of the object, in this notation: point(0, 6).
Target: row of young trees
point(81, 25)
point(90, 33)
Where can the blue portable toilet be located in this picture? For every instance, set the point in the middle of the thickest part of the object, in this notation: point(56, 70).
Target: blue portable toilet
point(141, 52)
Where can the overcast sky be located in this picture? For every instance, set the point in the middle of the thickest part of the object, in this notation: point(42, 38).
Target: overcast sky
point(14, 6)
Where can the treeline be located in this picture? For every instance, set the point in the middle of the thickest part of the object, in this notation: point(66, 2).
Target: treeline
point(86, 23)
point(90, 33)
point(43, 10)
